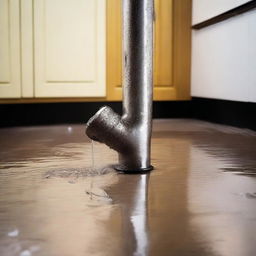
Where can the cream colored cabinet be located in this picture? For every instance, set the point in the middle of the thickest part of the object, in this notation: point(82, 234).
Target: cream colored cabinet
point(10, 76)
point(69, 38)
point(52, 48)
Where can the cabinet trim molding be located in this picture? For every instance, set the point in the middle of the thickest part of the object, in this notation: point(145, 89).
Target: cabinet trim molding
point(27, 63)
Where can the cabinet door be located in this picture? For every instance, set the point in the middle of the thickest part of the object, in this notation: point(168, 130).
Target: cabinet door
point(69, 38)
point(10, 86)
point(171, 50)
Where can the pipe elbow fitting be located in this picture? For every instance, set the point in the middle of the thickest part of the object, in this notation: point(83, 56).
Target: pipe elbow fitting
point(107, 127)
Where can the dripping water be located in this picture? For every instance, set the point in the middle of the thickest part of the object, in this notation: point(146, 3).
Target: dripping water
point(92, 153)
point(92, 167)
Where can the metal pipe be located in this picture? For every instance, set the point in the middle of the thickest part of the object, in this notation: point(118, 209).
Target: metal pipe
point(130, 135)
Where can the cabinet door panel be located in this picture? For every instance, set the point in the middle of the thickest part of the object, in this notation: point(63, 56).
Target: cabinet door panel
point(69, 48)
point(10, 86)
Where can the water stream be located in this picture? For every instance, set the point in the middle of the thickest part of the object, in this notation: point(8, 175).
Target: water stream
point(92, 154)
point(92, 168)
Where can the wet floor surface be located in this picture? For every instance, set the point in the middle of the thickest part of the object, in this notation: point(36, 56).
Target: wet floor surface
point(56, 199)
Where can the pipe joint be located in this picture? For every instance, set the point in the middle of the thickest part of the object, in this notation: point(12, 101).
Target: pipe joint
point(130, 134)
point(107, 127)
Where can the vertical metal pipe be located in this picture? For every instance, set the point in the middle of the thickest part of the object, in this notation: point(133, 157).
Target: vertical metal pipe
point(130, 135)
point(138, 73)
point(137, 59)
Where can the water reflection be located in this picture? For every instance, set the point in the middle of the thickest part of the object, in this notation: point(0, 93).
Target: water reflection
point(139, 217)
point(58, 205)
point(222, 213)
point(130, 195)
point(52, 202)
point(43, 213)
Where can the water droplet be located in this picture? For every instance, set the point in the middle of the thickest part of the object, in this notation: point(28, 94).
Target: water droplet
point(25, 253)
point(13, 233)
point(34, 248)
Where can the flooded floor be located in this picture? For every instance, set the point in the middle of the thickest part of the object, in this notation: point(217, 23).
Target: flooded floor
point(59, 199)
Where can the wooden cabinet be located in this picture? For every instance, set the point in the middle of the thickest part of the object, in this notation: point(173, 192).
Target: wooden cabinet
point(71, 50)
point(171, 51)
point(10, 76)
point(52, 48)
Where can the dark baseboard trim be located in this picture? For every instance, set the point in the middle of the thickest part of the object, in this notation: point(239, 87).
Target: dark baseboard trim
point(239, 114)
point(68, 113)
point(234, 113)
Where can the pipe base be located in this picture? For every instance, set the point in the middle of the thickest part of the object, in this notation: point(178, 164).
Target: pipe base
point(121, 169)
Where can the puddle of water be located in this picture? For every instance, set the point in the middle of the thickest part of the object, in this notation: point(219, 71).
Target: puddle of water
point(57, 199)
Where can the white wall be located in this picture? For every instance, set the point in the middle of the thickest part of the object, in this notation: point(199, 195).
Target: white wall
point(224, 54)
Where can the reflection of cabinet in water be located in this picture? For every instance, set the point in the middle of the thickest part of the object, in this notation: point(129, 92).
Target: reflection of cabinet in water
point(69, 49)
point(171, 53)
